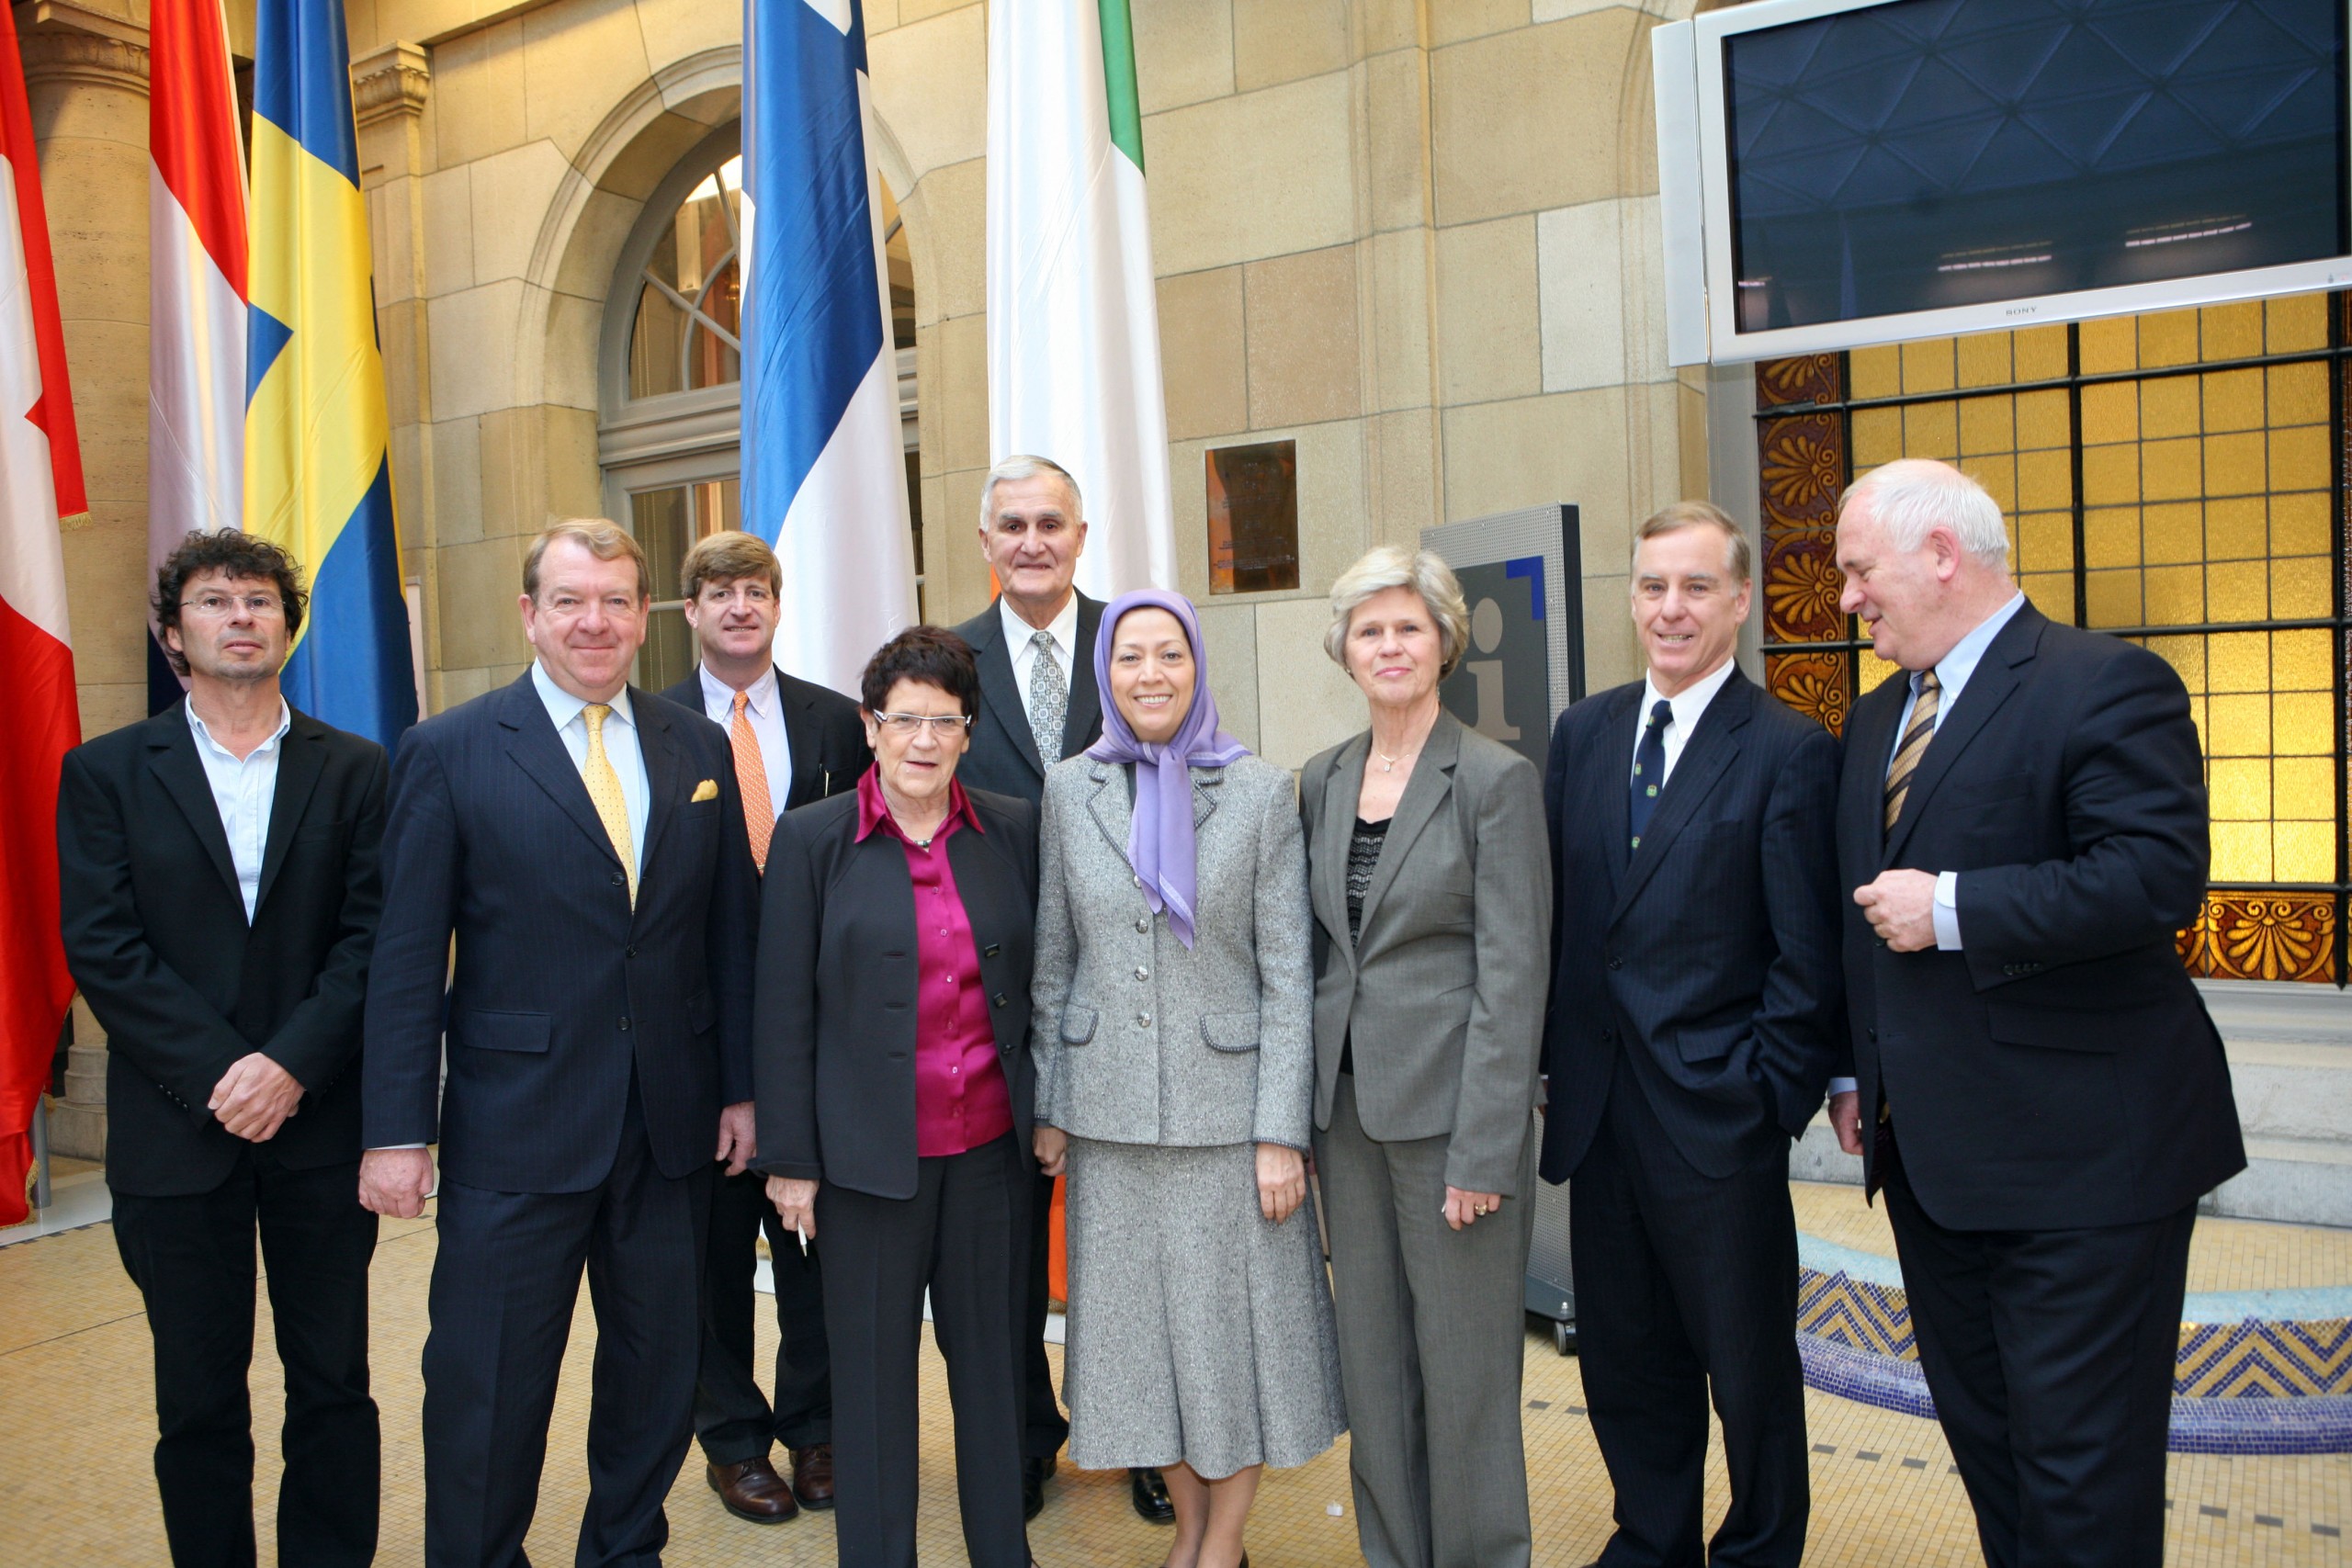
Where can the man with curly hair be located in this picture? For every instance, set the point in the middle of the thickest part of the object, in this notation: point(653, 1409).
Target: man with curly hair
point(221, 889)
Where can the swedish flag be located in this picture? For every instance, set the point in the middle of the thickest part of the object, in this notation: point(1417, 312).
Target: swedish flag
point(318, 480)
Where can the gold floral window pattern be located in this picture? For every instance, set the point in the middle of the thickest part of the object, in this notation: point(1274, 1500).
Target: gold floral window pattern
point(2176, 479)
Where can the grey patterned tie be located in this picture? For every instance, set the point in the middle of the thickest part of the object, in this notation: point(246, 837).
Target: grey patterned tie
point(1048, 699)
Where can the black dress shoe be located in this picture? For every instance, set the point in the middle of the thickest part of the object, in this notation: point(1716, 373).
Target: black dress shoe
point(1151, 1494)
point(1033, 1475)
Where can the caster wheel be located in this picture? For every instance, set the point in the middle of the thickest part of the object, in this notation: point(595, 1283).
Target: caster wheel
point(1564, 1336)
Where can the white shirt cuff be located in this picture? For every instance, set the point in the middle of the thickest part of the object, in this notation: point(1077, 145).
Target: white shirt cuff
point(1947, 911)
point(1843, 1086)
point(388, 1148)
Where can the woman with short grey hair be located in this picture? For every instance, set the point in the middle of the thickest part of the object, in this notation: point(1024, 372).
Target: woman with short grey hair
point(1430, 872)
point(1175, 1066)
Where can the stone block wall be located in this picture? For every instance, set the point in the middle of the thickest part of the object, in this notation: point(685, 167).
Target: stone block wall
point(1416, 239)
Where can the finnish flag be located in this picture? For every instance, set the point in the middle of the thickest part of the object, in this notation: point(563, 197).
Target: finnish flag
point(824, 464)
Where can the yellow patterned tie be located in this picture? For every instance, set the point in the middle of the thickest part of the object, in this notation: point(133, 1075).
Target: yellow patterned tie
point(1915, 746)
point(605, 789)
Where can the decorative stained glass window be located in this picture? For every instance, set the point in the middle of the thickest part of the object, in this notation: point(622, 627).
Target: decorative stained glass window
point(2179, 479)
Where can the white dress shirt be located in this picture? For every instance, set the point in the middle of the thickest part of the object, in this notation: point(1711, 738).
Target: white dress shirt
point(1952, 671)
point(243, 789)
point(1686, 708)
point(766, 710)
point(620, 749)
point(1063, 630)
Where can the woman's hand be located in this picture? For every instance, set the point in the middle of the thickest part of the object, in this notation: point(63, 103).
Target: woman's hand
point(795, 1204)
point(1051, 1146)
point(1282, 1181)
point(1461, 1208)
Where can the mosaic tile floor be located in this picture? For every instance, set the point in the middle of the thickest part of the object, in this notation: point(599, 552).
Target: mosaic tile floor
point(75, 1426)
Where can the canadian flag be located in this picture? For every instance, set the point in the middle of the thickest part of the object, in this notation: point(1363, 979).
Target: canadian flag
point(40, 483)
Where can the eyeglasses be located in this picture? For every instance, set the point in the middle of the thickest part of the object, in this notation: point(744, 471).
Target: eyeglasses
point(260, 607)
point(903, 725)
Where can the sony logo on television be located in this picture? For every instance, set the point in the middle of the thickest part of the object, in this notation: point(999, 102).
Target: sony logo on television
point(2022, 310)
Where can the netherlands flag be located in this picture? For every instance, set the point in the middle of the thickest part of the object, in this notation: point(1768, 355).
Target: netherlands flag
point(824, 469)
point(40, 486)
point(196, 293)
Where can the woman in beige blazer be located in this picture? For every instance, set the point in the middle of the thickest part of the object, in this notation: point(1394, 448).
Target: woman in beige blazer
point(1430, 879)
point(1175, 1075)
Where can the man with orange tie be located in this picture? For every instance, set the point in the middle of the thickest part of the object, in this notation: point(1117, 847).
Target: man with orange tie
point(793, 742)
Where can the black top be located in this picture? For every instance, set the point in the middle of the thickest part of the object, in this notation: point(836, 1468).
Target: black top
point(1363, 859)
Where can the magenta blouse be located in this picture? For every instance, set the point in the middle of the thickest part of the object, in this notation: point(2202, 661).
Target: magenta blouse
point(961, 1101)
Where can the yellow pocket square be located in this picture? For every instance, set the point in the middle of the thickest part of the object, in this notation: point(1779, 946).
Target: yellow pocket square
point(706, 790)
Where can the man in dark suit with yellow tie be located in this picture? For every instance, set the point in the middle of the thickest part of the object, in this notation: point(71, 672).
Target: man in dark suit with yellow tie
point(2022, 827)
point(583, 842)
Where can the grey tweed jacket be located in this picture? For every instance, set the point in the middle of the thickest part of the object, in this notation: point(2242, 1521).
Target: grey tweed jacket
point(1138, 1038)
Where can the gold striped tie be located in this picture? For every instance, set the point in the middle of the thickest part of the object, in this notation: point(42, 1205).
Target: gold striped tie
point(751, 779)
point(1915, 746)
point(605, 789)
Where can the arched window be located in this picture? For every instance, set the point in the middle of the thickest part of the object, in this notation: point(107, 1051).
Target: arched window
point(669, 427)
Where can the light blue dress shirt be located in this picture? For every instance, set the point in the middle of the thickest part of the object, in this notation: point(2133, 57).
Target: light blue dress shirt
point(763, 707)
point(621, 749)
point(1953, 672)
point(244, 790)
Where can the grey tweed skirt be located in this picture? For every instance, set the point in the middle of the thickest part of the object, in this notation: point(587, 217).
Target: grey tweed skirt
point(1197, 1331)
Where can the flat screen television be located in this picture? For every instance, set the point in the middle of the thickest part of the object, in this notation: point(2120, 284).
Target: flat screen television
point(1837, 173)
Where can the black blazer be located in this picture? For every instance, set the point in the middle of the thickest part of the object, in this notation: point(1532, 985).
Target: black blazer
point(558, 988)
point(156, 936)
point(834, 1034)
point(2059, 1071)
point(1710, 957)
point(827, 738)
point(1003, 756)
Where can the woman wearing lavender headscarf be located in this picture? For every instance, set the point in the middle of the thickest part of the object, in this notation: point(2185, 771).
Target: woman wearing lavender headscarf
point(1175, 1068)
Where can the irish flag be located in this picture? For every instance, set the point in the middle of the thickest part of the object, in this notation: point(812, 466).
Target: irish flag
point(1073, 319)
point(40, 484)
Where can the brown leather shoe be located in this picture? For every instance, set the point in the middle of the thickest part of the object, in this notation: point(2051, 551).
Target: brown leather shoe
point(754, 1491)
point(812, 1475)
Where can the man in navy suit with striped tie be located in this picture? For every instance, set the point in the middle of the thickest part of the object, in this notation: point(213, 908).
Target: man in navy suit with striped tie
point(1693, 1028)
point(582, 844)
point(2021, 829)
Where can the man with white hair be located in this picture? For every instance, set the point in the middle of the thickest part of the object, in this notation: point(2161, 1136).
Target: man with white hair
point(2022, 824)
point(1034, 644)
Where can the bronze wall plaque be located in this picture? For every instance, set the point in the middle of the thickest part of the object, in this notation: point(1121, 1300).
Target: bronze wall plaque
point(1253, 517)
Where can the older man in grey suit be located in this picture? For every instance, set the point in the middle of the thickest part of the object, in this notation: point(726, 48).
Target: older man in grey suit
point(1431, 895)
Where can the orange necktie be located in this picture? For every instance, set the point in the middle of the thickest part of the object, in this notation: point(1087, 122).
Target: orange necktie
point(751, 778)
